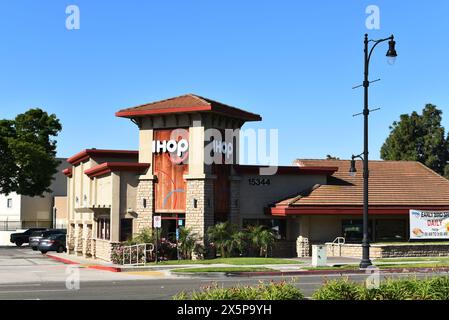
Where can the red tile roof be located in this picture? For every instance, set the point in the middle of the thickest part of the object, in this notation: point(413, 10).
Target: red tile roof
point(188, 103)
point(86, 154)
point(391, 183)
point(108, 167)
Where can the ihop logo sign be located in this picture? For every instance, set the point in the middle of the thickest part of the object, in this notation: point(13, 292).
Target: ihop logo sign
point(180, 147)
point(223, 147)
point(171, 146)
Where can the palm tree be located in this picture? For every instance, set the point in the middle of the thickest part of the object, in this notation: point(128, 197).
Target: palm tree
point(220, 235)
point(261, 238)
point(237, 240)
point(187, 241)
point(267, 238)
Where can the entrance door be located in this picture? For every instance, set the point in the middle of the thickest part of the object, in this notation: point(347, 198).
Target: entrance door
point(171, 224)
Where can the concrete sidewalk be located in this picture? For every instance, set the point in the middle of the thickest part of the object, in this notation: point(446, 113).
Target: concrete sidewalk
point(302, 268)
point(108, 266)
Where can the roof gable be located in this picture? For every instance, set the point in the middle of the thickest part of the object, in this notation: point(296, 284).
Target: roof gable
point(189, 103)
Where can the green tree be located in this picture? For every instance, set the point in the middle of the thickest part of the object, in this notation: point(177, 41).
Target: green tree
point(329, 157)
point(187, 241)
point(261, 238)
point(28, 152)
point(237, 240)
point(220, 235)
point(419, 137)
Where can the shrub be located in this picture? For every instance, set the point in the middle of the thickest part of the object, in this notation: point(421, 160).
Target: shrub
point(188, 243)
point(440, 287)
point(280, 291)
point(166, 249)
point(436, 288)
point(341, 289)
point(264, 291)
point(118, 258)
point(145, 236)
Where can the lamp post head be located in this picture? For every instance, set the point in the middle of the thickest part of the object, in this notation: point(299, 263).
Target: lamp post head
point(352, 169)
point(391, 53)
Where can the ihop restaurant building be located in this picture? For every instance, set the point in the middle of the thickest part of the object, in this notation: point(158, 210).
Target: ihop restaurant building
point(114, 194)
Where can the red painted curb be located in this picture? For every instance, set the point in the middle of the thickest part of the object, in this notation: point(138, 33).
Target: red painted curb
point(98, 267)
point(66, 261)
point(105, 268)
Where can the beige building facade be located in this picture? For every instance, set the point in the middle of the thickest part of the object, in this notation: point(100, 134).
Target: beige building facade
point(113, 195)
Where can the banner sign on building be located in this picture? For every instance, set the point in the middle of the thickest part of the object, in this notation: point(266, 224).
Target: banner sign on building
point(429, 224)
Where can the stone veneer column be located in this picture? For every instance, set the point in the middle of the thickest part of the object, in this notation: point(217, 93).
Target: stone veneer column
point(79, 239)
point(200, 217)
point(70, 238)
point(144, 214)
point(234, 210)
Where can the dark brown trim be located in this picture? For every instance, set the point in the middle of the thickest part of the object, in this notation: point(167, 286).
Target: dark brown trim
point(349, 210)
point(253, 169)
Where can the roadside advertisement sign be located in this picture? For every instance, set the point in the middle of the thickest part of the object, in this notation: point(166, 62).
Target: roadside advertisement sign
point(429, 224)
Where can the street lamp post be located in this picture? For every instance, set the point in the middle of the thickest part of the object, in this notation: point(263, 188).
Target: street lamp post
point(391, 54)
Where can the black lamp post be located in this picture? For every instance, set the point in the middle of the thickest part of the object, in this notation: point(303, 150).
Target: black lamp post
point(391, 54)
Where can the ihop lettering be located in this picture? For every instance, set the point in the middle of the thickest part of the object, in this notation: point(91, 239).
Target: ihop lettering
point(171, 146)
point(223, 147)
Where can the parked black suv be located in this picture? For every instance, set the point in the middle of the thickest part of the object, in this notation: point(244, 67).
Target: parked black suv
point(23, 237)
point(38, 235)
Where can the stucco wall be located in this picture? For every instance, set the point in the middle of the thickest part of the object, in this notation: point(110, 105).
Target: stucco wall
point(102, 191)
point(37, 208)
point(128, 192)
point(12, 213)
point(60, 207)
point(254, 198)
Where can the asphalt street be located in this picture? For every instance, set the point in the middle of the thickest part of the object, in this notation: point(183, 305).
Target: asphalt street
point(26, 274)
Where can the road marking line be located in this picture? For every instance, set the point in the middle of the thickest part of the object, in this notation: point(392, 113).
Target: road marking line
point(32, 291)
point(146, 273)
point(20, 285)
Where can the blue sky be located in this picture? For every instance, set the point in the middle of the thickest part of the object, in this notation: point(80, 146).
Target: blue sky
point(293, 62)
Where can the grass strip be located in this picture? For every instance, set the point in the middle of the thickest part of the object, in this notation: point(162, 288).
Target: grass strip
point(222, 269)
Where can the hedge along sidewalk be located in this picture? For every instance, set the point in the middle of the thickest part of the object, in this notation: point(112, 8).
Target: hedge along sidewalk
point(232, 261)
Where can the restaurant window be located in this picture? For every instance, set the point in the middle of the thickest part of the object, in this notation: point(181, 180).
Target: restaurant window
point(391, 230)
point(278, 226)
point(353, 230)
point(103, 228)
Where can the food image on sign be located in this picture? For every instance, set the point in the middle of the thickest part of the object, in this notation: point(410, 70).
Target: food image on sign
point(418, 232)
point(429, 224)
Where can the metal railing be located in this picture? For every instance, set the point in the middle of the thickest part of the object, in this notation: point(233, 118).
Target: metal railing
point(137, 254)
point(339, 240)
